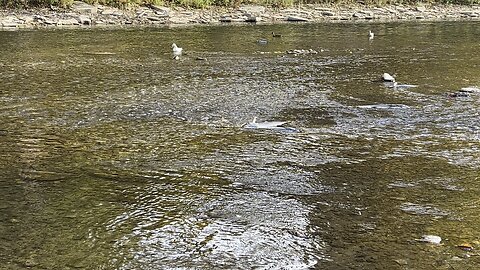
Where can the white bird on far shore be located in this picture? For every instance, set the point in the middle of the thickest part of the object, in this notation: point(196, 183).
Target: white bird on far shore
point(370, 34)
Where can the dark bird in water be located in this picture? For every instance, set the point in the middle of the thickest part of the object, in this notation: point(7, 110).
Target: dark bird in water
point(276, 35)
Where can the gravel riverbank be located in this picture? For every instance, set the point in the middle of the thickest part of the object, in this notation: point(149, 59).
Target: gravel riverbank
point(85, 15)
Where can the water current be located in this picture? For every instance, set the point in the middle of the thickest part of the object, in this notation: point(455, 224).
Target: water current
point(113, 155)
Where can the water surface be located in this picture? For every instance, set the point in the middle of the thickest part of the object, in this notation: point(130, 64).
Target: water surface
point(116, 156)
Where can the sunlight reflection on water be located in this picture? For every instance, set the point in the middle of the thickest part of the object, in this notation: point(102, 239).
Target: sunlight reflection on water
point(130, 160)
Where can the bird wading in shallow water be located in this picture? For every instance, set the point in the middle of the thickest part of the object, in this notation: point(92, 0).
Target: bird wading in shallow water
point(388, 78)
point(176, 51)
point(371, 35)
point(276, 35)
point(265, 125)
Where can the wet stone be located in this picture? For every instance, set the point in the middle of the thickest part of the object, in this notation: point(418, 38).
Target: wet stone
point(254, 10)
point(30, 262)
point(328, 13)
point(161, 10)
point(154, 18)
point(67, 22)
point(8, 24)
point(112, 12)
point(84, 20)
point(295, 18)
point(401, 262)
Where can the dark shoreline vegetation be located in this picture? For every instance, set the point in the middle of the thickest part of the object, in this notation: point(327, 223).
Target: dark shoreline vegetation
point(22, 4)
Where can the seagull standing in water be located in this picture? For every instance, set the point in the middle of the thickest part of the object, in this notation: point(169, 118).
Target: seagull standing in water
point(371, 35)
point(388, 78)
point(176, 51)
point(264, 125)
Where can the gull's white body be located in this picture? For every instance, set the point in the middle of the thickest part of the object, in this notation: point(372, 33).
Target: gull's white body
point(176, 49)
point(388, 78)
point(267, 125)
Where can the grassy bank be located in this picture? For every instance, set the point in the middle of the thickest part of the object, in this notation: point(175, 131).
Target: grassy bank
point(226, 3)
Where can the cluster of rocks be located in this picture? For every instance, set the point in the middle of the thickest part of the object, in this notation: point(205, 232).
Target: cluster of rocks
point(81, 14)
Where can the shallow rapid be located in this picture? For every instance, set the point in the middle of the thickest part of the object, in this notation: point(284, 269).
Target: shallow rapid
point(116, 156)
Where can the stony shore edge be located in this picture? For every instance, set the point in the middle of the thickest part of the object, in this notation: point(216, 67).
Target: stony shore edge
point(81, 14)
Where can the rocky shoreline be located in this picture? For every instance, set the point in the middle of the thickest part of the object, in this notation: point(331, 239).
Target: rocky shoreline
point(85, 15)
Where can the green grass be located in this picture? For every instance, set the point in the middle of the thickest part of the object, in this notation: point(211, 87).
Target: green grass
point(225, 3)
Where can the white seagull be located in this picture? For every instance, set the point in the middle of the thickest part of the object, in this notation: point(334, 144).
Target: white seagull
point(267, 125)
point(176, 50)
point(370, 34)
point(388, 78)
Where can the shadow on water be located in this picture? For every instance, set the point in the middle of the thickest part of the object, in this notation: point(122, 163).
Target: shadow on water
point(116, 156)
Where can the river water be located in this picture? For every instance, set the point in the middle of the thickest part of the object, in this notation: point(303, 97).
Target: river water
point(116, 156)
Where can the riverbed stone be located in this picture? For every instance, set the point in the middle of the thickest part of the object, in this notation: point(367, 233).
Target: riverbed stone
point(8, 24)
point(26, 18)
point(250, 9)
point(226, 19)
point(421, 8)
point(161, 9)
point(49, 21)
point(112, 11)
point(70, 21)
point(358, 15)
point(328, 13)
point(296, 18)
point(252, 19)
point(472, 14)
point(179, 20)
point(155, 18)
point(84, 20)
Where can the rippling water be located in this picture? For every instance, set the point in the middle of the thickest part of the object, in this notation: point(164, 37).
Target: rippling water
point(116, 156)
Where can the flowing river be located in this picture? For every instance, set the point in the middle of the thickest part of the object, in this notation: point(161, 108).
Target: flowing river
point(113, 155)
